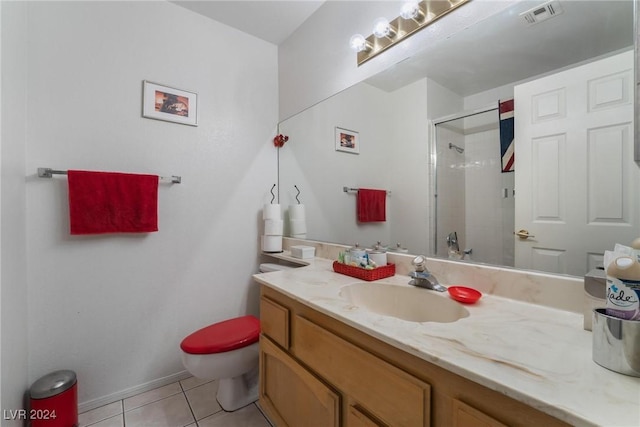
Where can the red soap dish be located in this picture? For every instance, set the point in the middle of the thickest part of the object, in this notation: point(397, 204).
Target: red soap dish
point(464, 294)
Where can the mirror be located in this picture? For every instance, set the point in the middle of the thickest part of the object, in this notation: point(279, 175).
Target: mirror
point(399, 115)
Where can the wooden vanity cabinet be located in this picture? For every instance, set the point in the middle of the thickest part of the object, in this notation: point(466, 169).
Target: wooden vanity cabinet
point(290, 394)
point(318, 371)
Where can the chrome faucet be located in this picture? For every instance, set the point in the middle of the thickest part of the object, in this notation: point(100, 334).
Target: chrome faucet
point(422, 277)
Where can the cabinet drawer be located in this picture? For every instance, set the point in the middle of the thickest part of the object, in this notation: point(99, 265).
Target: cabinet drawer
point(274, 321)
point(389, 394)
point(291, 395)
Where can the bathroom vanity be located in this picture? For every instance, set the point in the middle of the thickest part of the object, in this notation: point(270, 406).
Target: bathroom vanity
point(329, 360)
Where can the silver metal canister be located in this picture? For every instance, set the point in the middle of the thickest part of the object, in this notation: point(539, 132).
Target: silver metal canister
point(616, 343)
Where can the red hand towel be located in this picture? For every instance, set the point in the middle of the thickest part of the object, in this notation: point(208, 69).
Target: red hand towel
point(372, 205)
point(112, 202)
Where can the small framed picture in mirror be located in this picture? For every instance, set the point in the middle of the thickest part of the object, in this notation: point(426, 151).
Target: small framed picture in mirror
point(347, 140)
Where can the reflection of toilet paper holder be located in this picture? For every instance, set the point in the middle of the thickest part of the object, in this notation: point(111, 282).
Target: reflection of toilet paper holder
point(298, 226)
point(298, 190)
point(297, 218)
point(296, 213)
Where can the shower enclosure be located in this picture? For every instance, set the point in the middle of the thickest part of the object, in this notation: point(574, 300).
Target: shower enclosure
point(473, 198)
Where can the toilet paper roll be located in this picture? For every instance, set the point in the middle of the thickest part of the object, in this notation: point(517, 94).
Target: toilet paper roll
point(298, 226)
point(296, 212)
point(271, 243)
point(271, 211)
point(273, 227)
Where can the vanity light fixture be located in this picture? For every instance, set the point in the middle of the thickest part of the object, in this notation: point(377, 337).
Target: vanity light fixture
point(412, 10)
point(383, 28)
point(359, 44)
point(414, 15)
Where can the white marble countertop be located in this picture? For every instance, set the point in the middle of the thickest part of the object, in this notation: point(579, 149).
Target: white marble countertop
point(537, 355)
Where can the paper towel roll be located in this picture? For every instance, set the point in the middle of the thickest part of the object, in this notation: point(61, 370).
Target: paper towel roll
point(272, 243)
point(271, 211)
point(298, 226)
point(296, 212)
point(273, 227)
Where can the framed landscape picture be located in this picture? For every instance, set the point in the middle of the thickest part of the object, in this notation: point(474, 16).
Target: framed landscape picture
point(169, 104)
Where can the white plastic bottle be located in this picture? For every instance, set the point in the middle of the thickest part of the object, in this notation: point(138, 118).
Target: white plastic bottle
point(623, 288)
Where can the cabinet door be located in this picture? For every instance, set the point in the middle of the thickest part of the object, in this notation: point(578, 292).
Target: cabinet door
point(291, 395)
point(467, 416)
point(390, 394)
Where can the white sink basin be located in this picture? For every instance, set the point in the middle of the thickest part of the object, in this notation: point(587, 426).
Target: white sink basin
point(404, 302)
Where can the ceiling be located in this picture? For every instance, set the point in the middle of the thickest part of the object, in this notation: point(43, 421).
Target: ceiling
point(273, 21)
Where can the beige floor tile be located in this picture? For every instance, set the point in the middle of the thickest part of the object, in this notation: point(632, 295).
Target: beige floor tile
point(172, 411)
point(192, 382)
point(203, 401)
point(152, 396)
point(99, 414)
point(249, 416)
point(116, 421)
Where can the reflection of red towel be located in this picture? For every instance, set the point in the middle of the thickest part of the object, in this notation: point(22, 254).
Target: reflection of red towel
point(372, 205)
point(112, 202)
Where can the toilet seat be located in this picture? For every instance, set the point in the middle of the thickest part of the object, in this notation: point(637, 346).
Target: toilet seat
point(223, 336)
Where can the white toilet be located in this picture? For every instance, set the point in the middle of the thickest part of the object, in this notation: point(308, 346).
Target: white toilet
point(228, 351)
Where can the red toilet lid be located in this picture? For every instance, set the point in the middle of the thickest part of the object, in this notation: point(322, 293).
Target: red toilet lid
point(223, 336)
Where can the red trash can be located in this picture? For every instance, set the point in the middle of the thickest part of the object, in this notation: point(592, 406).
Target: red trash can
point(54, 400)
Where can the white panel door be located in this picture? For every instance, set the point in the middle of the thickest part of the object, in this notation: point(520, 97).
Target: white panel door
point(575, 179)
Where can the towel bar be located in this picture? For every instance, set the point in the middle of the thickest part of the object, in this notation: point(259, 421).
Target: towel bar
point(48, 173)
point(348, 189)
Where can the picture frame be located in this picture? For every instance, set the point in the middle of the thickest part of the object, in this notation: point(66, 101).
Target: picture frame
point(160, 102)
point(347, 140)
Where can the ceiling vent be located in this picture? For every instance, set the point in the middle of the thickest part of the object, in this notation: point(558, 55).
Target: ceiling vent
point(542, 13)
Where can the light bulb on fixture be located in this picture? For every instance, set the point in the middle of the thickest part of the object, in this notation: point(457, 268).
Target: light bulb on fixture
point(411, 10)
point(358, 43)
point(382, 28)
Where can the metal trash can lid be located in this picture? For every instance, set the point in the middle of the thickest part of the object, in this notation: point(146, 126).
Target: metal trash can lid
point(53, 384)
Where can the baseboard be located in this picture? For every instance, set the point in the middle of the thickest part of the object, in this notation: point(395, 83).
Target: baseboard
point(114, 397)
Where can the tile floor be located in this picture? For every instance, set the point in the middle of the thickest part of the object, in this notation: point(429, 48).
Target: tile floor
point(191, 403)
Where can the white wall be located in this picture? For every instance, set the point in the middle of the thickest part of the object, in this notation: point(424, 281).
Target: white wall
point(310, 161)
point(408, 167)
point(443, 102)
point(114, 308)
point(13, 284)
